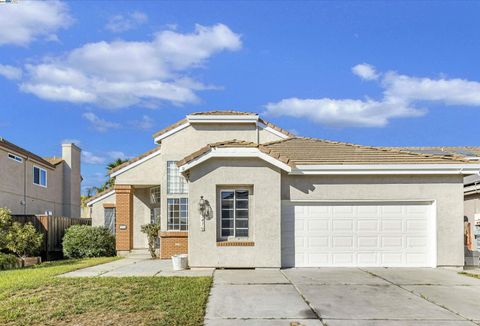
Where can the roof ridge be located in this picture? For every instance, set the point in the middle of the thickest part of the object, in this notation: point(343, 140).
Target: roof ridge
point(386, 149)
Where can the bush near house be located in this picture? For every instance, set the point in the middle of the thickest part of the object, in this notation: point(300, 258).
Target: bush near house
point(84, 241)
point(20, 239)
point(151, 230)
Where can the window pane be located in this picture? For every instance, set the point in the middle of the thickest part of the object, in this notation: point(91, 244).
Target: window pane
point(227, 224)
point(243, 224)
point(227, 213)
point(227, 194)
point(177, 211)
point(242, 204)
point(227, 204)
point(227, 232)
point(36, 175)
point(176, 183)
point(241, 233)
point(242, 214)
point(43, 177)
point(241, 194)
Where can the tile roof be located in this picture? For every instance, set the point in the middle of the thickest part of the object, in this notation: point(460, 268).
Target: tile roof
point(54, 160)
point(222, 112)
point(464, 151)
point(99, 194)
point(135, 159)
point(23, 152)
point(311, 151)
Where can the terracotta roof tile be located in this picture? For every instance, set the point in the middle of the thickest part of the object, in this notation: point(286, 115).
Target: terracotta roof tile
point(54, 160)
point(462, 151)
point(311, 151)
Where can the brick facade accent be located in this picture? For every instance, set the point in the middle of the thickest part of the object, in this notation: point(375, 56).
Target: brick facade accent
point(173, 243)
point(235, 244)
point(124, 217)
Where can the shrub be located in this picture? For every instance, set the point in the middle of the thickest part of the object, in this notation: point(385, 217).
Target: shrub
point(151, 230)
point(23, 240)
point(8, 261)
point(81, 241)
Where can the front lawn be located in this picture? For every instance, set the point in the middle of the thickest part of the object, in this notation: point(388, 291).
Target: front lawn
point(35, 296)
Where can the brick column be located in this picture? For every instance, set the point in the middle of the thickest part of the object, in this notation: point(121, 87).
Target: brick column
point(124, 217)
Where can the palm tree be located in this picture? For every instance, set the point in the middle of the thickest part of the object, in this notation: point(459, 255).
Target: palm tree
point(111, 181)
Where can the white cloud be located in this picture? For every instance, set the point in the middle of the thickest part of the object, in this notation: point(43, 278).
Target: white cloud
point(91, 158)
point(25, 21)
point(124, 73)
point(122, 23)
point(98, 123)
point(145, 123)
point(401, 96)
point(365, 71)
point(71, 141)
point(118, 155)
point(10, 72)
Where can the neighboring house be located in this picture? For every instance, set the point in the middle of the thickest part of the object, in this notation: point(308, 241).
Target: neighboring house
point(471, 197)
point(30, 184)
point(275, 200)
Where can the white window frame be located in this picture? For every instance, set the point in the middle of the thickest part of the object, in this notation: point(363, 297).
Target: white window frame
point(180, 179)
point(153, 192)
point(40, 176)
point(15, 158)
point(235, 213)
point(169, 228)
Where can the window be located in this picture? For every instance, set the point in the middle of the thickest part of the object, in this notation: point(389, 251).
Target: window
point(176, 183)
point(39, 176)
point(109, 214)
point(234, 213)
point(177, 211)
point(155, 195)
point(15, 157)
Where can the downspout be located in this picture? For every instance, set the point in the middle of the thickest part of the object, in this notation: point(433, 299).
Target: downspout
point(258, 133)
point(25, 186)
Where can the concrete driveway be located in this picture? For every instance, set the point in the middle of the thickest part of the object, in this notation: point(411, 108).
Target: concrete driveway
point(343, 296)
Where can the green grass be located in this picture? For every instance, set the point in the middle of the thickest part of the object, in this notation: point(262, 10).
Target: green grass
point(34, 296)
point(469, 274)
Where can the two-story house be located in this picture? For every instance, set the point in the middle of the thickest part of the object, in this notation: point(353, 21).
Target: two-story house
point(30, 184)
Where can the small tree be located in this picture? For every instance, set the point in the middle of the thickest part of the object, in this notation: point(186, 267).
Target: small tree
point(23, 240)
point(5, 223)
point(151, 230)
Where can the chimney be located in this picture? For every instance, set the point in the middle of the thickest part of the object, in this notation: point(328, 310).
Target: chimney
point(71, 180)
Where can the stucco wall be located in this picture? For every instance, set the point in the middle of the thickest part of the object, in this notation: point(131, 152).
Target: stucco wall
point(38, 199)
point(447, 191)
point(265, 206)
point(141, 216)
point(96, 210)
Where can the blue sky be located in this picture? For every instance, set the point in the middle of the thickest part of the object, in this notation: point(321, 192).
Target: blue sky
point(109, 74)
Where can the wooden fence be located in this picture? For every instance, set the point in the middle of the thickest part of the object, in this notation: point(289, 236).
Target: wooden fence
point(53, 229)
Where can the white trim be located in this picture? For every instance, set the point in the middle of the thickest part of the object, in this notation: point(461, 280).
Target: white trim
point(380, 169)
point(39, 176)
point(234, 152)
point(171, 132)
point(273, 131)
point(105, 195)
point(134, 164)
point(15, 158)
point(251, 118)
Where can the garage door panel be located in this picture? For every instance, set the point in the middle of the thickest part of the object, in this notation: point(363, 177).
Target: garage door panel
point(359, 234)
point(367, 242)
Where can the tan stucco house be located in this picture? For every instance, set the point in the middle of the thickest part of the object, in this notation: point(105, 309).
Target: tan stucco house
point(233, 190)
point(35, 185)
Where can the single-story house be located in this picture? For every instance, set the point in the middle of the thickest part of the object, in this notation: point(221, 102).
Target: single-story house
point(233, 190)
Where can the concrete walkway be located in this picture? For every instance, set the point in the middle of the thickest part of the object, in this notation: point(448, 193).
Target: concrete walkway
point(343, 296)
point(136, 265)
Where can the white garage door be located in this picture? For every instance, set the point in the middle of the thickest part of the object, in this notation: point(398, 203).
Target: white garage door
point(358, 234)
